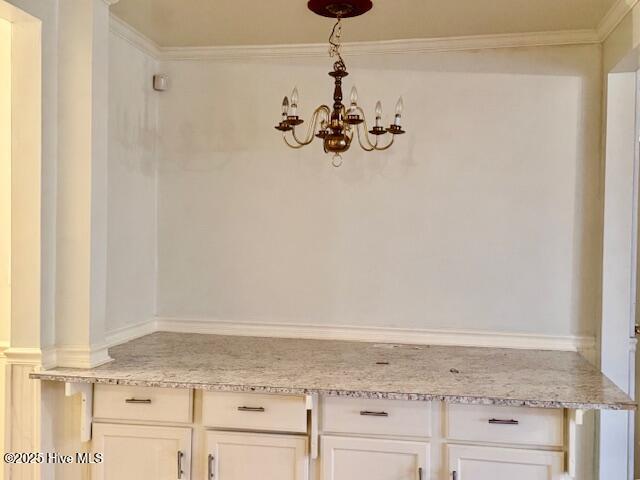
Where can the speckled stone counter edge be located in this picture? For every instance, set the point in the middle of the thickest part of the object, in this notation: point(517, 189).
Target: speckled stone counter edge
point(468, 400)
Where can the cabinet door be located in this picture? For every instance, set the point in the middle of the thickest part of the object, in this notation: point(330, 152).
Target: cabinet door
point(251, 456)
point(351, 458)
point(489, 463)
point(134, 452)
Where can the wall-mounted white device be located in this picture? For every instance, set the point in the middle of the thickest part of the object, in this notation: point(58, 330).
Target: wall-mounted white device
point(160, 82)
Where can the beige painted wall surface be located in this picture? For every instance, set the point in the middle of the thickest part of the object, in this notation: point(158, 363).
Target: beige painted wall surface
point(131, 254)
point(485, 216)
point(5, 180)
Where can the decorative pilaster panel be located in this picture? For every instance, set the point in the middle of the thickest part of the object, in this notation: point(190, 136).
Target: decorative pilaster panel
point(23, 415)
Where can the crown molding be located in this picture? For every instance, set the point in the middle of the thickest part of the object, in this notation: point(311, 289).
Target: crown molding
point(446, 44)
point(467, 338)
point(614, 16)
point(125, 31)
point(388, 47)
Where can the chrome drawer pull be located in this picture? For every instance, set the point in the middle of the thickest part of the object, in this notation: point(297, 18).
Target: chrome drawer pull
point(373, 414)
point(454, 475)
point(496, 421)
point(180, 471)
point(145, 401)
point(251, 409)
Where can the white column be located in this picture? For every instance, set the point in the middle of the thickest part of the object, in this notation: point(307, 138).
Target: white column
point(82, 183)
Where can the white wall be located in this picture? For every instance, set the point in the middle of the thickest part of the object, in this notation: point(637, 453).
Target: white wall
point(485, 216)
point(131, 254)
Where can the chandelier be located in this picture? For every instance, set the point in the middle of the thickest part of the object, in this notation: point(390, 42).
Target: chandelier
point(338, 126)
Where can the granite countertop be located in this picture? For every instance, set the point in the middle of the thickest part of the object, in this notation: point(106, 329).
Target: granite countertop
point(487, 376)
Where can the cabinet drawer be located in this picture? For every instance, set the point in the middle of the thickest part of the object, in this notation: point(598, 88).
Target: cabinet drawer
point(115, 402)
point(376, 417)
point(512, 425)
point(252, 411)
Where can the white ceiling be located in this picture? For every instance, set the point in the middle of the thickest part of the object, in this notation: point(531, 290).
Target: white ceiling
point(172, 23)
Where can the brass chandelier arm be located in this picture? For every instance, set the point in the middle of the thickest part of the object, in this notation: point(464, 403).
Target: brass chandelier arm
point(393, 137)
point(311, 130)
point(302, 143)
point(371, 146)
point(292, 145)
point(362, 145)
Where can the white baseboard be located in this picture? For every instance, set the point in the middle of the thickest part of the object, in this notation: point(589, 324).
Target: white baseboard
point(89, 357)
point(468, 338)
point(80, 356)
point(130, 332)
point(74, 356)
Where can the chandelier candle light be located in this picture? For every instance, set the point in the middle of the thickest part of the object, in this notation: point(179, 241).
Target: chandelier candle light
point(337, 126)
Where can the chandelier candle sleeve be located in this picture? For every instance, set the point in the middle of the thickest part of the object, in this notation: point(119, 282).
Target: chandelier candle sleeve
point(354, 96)
point(399, 108)
point(294, 101)
point(338, 126)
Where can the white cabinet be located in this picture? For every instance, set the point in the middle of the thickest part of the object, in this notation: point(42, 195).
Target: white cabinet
point(352, 458)
point(493, 463)
point(134, 452)
point(252, 456)
point(359, 438)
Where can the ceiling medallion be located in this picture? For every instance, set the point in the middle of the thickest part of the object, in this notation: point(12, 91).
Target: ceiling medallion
point(337, 126)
